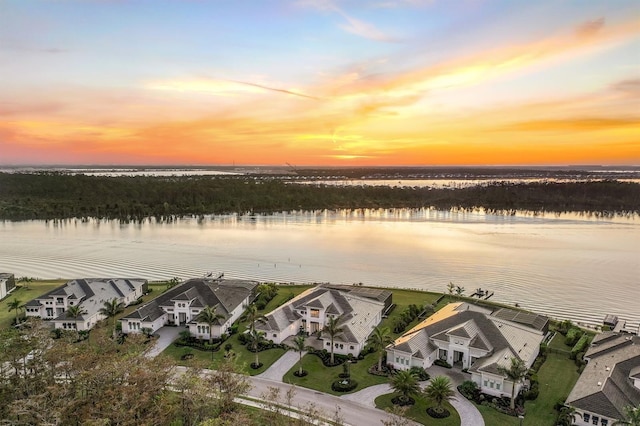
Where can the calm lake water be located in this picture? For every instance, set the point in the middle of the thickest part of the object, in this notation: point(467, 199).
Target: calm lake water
point(564, 266)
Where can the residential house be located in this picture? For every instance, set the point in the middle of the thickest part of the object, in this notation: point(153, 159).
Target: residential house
point(90, 294)
point(180, 306)
point(475, 338)
point(309, 312)
point(7, 284)
point(610, 380)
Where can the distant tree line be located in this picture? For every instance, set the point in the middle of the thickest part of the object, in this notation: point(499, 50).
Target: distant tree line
point(60, 196)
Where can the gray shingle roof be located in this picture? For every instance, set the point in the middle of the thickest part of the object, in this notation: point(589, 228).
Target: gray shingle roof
point(605, 387)
point(227, 294)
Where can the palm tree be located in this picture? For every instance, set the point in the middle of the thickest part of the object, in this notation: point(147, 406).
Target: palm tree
point(439, 391)
point(251, 315)
point(15, 305)
point(567, 416)
point(74, 311)
point(516, 372)
point(378, 340)
point(459, 290)
point(404, 383)
point(632, 416)
point(209, 316)
point(299, 346)
point(111, 309)
point(333, 329)
point(255, 339)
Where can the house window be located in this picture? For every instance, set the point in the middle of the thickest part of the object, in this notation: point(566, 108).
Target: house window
point(491, 385)
point(595, 420)
point(486, 383)
point(59, 300)
point(315, 313)
point(586, 417)
point(341, 346)
point(604, 422)
point(275, 335)
point(351, 347)
point(328, 344)
point(498, 386)
point(397, 360)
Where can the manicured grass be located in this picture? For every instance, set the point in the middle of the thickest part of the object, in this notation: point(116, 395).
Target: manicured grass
point(556, 377)
point(25, 292)
point(495, 417)
point(320, 377)
point(418, 411)
point(285, 293)
point(244, 357)
point(558, 343)
point(404, 298)
point(157, 287)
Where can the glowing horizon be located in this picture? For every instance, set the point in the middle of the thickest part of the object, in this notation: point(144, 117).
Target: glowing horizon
point(322, 83)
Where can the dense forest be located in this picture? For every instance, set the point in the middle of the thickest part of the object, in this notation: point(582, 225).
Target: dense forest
point(51, 195)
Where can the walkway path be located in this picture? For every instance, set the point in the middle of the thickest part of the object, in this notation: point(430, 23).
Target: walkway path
point(279, 368)
point(166, 336)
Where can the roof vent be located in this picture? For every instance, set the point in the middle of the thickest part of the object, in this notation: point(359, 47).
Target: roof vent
point(608, 368)
point(599, 383)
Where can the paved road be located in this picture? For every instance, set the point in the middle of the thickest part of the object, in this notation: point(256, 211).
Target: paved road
point(279, 368)
point(352, 413)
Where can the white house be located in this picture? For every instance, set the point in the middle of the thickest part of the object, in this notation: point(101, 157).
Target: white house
point(181, 305)
point(309, 312)
point(475, 338)
point(610, 380)
point(7, 284)
point(90, 294)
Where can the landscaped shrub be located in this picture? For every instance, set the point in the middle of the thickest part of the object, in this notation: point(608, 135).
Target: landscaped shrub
point(419, 373)
point(444, 413)
point(344, 385)
point(409, 314)
point(469, 389)
point(325, 356)
point(442, 363)
point(573, 335)
point(402, 401)
point(580, 345)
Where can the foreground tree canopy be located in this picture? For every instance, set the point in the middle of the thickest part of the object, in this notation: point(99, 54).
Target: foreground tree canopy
point(61, 196)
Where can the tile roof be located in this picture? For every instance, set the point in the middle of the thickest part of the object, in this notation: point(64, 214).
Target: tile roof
point(605, 387)
point(485, 331)
point(226, 294)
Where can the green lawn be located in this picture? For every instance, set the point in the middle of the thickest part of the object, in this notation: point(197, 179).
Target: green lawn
point(25, 292)
point(320, 377)
point(556, 376)
point(556, 379)
point(418, 411)
point(558, 343)
point(285, 293)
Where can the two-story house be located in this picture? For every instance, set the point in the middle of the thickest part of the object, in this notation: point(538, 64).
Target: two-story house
point(610, 380)
point(471, 337)
point(181, 305)
point(90, 294)
point(7, 284)
point(309, 312)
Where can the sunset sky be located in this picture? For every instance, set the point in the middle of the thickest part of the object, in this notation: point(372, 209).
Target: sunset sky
point(406, 82)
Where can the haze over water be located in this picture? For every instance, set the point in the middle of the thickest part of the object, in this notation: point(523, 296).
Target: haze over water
point(564, 266)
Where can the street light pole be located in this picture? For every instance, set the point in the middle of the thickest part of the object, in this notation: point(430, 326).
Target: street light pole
point(521, 417)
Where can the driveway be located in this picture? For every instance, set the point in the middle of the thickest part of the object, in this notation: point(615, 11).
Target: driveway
point(166, 336)
point(469, 414)
point(279, 368)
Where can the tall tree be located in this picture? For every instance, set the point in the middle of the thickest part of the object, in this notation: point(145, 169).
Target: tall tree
point(333, 329)
point(516, 372)
point(15, 305)
point(251, 315)
point(439, 390)
point(299, 345)
point(404, 383)
point(379, 339)
point(255, 339)
point(631, 416)
point(111, 309)
point(74, 311)
point(567, 416)
point(209, 316)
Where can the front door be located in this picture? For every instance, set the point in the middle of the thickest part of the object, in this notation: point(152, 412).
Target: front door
point(182, 317)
